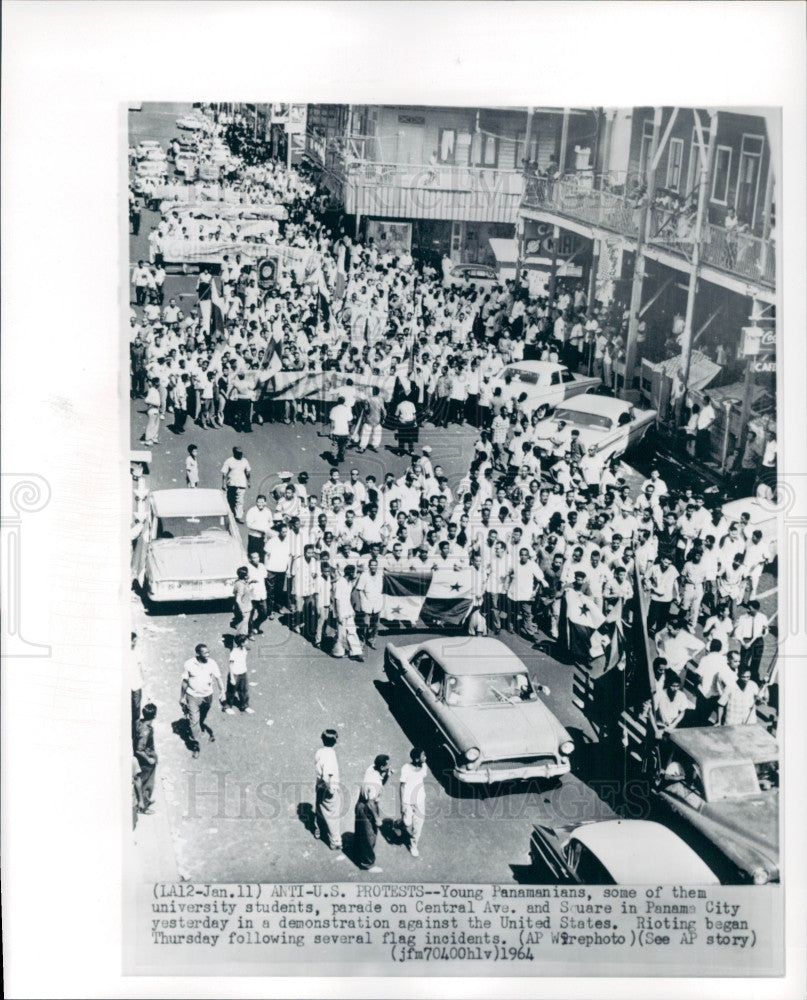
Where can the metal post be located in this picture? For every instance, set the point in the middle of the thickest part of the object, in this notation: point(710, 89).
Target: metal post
point(748, 382)
point(638, 267)
point(553, 274)
point(564, 138)
point(592, 278)
point(705, 171)
point(288, 148)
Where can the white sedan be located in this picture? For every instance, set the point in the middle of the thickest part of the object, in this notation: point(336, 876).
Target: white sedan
point(762, 516)
point(546, 384)
point(612, 426)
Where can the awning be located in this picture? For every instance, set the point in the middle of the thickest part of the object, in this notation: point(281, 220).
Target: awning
point(505, 251)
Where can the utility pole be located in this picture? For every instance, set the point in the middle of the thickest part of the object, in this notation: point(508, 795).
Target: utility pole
point(639, 265)
point(525, 165)
point(564, 138)
point(706, 166)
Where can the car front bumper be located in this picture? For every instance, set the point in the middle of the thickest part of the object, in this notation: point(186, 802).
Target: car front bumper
point(489, 773)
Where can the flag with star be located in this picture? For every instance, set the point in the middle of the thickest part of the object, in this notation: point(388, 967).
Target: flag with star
point(431, 597)
point(582, 620)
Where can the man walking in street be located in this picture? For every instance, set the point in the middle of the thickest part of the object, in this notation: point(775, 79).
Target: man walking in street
point(235, 475)
point(328, 793)
point(370, 590)
point(196, 695)
point(367, 813)
point(750, 631)
point(277, 560)
point(259, 525)
point(340, 417)
point(151, 437)
point(413, 797)
point(303, 593)
point(146, 756)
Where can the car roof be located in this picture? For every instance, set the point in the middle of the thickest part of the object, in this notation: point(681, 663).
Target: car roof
point(640, 852)
point(475, 267)
point(605, 406)
point(758, 512)
point(716, 743)
point(188, 502)
point(478, 655)
point(537, 366)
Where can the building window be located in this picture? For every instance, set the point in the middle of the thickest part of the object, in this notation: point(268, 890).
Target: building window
point(531, 153)
point(720, 178)
point(447, 145)
point(675, 158)
point(644, 151)
point(484, 150)
point(693, 178)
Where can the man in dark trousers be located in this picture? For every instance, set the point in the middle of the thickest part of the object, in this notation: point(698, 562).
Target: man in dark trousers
point(366, 813)
point(146, 756)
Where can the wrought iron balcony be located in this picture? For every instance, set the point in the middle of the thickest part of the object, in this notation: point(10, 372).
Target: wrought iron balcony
point(576, 198)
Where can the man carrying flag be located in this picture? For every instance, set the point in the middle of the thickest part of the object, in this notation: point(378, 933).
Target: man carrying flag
point(582, 619)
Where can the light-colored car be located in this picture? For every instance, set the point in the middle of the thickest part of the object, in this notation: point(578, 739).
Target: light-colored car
point(189, 549)
point(478, 697)
point(465, 275)
point(193, 123)
point(612, 426)
point(720, 791)
point(761, 516)
point(616, 852)
point(546, 383)
point(151, 168)
point(145, 146)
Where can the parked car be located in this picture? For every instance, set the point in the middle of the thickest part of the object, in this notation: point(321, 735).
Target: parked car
point(145, 146)
point(546, 383)
point(478, 697)
point(465, 275)
point(189, 549)
point(193, 123)
point(616, 852)
point(186, 163)
point(762, 517)
point(720, 791)
point(612, 426)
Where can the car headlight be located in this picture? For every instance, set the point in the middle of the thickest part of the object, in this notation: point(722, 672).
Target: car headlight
point(471, 755)
point(760, 876)
point(566, 748)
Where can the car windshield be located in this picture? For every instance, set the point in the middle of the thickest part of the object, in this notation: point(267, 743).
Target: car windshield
point(520, 375)
point(489, 689)
point(598, 421)
point(192, 527)
point(732, 781)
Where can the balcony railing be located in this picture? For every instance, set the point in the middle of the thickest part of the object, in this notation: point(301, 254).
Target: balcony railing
point(574, 196)
point(432, 191)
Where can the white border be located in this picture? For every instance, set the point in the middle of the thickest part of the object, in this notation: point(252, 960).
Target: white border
point(67, 68)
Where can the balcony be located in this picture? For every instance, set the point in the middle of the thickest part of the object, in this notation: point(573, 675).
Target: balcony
point(740, 254)
point(440, 191)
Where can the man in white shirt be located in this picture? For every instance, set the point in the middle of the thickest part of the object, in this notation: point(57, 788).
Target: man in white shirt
point(413, 797)
point(525, 579)
point(677, 645)
point(303, 591)
point(235, 475)
point(277, 560)
point(704, 421)
point(196, 695)
point(340, 418)
point(259, 523)
point(715, 681)
point(370, 591)
point(750, 631)
point(328, 792)
point(661, 583)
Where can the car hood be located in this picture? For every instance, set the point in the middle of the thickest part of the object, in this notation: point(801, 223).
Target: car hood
point(751, 822)
point(512, 730)
point(194, 558)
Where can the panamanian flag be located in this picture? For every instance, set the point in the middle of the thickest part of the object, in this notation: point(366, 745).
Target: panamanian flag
point(430, 596)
